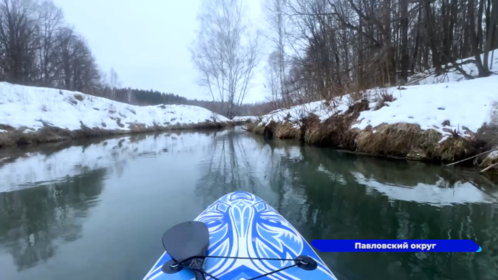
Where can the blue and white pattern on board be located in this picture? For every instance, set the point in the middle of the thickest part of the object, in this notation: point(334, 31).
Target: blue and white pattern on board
point(243, 225)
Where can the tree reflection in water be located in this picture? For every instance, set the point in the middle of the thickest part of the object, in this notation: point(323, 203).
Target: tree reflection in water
point(327, 194)
point(34, 221)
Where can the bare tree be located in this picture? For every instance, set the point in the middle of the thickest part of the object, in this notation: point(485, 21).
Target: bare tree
point(49, 22)
point(275, 15)
point(17, 40)
point(37, 48)
point(114, 82)
point(273, 82)
point(225, 52)
point(78, 68)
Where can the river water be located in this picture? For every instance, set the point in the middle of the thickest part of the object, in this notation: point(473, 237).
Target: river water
point(98, 209)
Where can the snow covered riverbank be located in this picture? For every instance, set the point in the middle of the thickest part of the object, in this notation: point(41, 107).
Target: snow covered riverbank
point(430, 121)
point(45, 115)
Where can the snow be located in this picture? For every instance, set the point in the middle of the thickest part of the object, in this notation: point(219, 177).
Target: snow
point(427, 77)
point(32, 106)
point(295, 114)
point(467, 104)
point(245, 118)
point(492, 156)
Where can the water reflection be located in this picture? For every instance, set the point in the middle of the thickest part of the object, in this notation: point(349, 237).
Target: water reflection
point(34, 221)
point(34, 166)
point(327, 194)
point(105, 193)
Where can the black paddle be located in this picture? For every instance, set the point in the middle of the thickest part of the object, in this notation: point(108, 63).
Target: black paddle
point(187, 244)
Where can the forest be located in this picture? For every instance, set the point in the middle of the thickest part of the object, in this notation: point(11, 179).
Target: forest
point(153, 97)
point(325, 48)
point(38, 48)
point(319, 49)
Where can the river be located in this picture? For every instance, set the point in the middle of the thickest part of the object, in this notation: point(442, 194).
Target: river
point(96, 209)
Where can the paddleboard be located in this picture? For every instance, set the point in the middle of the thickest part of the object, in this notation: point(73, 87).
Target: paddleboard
point(241, 224)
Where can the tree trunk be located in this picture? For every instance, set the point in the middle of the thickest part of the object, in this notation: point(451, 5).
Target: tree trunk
point(405, 59)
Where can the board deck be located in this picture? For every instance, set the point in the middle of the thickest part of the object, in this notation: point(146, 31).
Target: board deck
point(243, 225)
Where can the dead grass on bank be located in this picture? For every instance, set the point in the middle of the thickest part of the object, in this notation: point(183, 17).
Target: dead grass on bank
point(336, 131)
point(488, 161)
point(397, 140)
point(383, 96)
point(411, 142)
point(253, 127)
point(286, 131)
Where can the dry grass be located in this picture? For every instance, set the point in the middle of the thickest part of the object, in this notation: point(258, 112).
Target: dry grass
point(311, 130)
point(79, 97)
point(490, 160)
point(403, 139)
point(286, 131)
point(259, 129)
point(251, 126)
point(383, 96)
point(336, 131)
point(356, 94)
point(411, 142)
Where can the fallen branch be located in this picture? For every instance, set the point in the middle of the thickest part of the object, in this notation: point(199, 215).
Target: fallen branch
point(472, 183)
point(451, 164)
point(489, 167)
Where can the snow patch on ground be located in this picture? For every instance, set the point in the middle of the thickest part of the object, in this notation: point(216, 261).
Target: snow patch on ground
point(491, 157)
point(295, 114)
point(466, 105)
point(428, 76)
point(245, 118)
point(32, 107)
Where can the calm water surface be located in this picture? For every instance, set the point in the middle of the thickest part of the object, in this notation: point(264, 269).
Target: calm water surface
point(97, 210)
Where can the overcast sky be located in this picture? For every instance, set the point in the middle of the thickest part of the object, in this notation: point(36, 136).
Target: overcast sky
point(146, 41)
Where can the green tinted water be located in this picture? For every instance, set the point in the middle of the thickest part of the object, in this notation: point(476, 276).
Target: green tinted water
point(97, 210)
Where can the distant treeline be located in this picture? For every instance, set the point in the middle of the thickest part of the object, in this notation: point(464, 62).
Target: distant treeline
point(151, 97)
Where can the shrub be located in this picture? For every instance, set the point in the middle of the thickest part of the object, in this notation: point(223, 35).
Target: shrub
point(79, 97)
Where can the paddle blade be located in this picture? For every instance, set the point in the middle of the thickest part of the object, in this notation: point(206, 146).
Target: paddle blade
point(186, 240)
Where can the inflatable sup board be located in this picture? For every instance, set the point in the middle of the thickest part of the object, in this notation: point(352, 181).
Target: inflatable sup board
point(238, 237)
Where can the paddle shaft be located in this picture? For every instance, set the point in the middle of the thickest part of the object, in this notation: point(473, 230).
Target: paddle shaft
point(199, 275)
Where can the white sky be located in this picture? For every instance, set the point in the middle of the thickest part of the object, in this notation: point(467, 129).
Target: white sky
point(146, 41)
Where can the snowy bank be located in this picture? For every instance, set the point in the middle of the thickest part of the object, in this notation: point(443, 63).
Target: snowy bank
point(440, 121)
point(453, 75)
point(239, 119)
point(463, 106)
point(31, 110)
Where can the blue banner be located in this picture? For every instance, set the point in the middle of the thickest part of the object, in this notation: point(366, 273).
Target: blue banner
point(411, 245)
